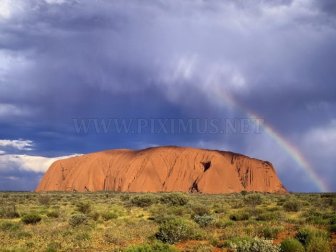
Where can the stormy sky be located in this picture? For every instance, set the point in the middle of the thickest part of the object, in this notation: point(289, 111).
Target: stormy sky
point(68, 62)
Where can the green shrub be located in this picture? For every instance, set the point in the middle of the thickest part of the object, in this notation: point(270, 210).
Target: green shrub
point(9, 212)
point(178, 210)
point(77, 219)
point(156, 247)
point(291, 206)
point(32, 218)
point(271, 232)
point(333, 204)
point(291, 245)
point(198, 247)
point(317, 217)
point(253, 200)
point(53, 247)
point(84, 207)
point(9, 226)
point(223, 223)
point(140, 248)
point(237, 204)
point(112, 236)
point(316, 220)
point(94, 216)
point(124, 197)
point(23, 235)
point(268, 216)
point(244, 193)
point(304, 235)
point(333, 220)
point(332, 228)
point(44, 199)
point(176, 229)
point(235, 240)
point(53, 214)
point(200, 209)
point(203, 220)
point(143, 200)
point(318, 244)
point(219, 208)
point(109, 216)
point(254, 245)
point(241, 216)
point(82, 236)
point(11, 215)
point(161, 218)
point(281, 201)
point(174, 199)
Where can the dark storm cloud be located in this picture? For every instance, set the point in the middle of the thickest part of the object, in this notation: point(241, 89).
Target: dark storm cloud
point(328, 6)
point(19, 180)
point(61, 60)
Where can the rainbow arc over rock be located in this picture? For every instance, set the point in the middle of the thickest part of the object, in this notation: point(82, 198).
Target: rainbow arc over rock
point(285, 144)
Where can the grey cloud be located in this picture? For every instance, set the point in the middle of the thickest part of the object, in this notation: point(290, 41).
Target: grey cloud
point(328, 6)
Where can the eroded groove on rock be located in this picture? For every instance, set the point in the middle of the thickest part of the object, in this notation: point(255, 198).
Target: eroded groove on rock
point(206, 165)
point(194, 187)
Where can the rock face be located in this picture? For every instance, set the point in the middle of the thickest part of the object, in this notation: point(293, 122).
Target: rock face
point(162, 169)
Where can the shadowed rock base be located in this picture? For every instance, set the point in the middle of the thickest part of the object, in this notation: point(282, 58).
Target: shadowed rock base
point(162, 169)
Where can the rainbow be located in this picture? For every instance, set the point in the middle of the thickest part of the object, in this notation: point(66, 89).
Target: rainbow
point(228, 100)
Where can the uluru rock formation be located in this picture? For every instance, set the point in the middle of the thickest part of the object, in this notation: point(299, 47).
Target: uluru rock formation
point(162, 169)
